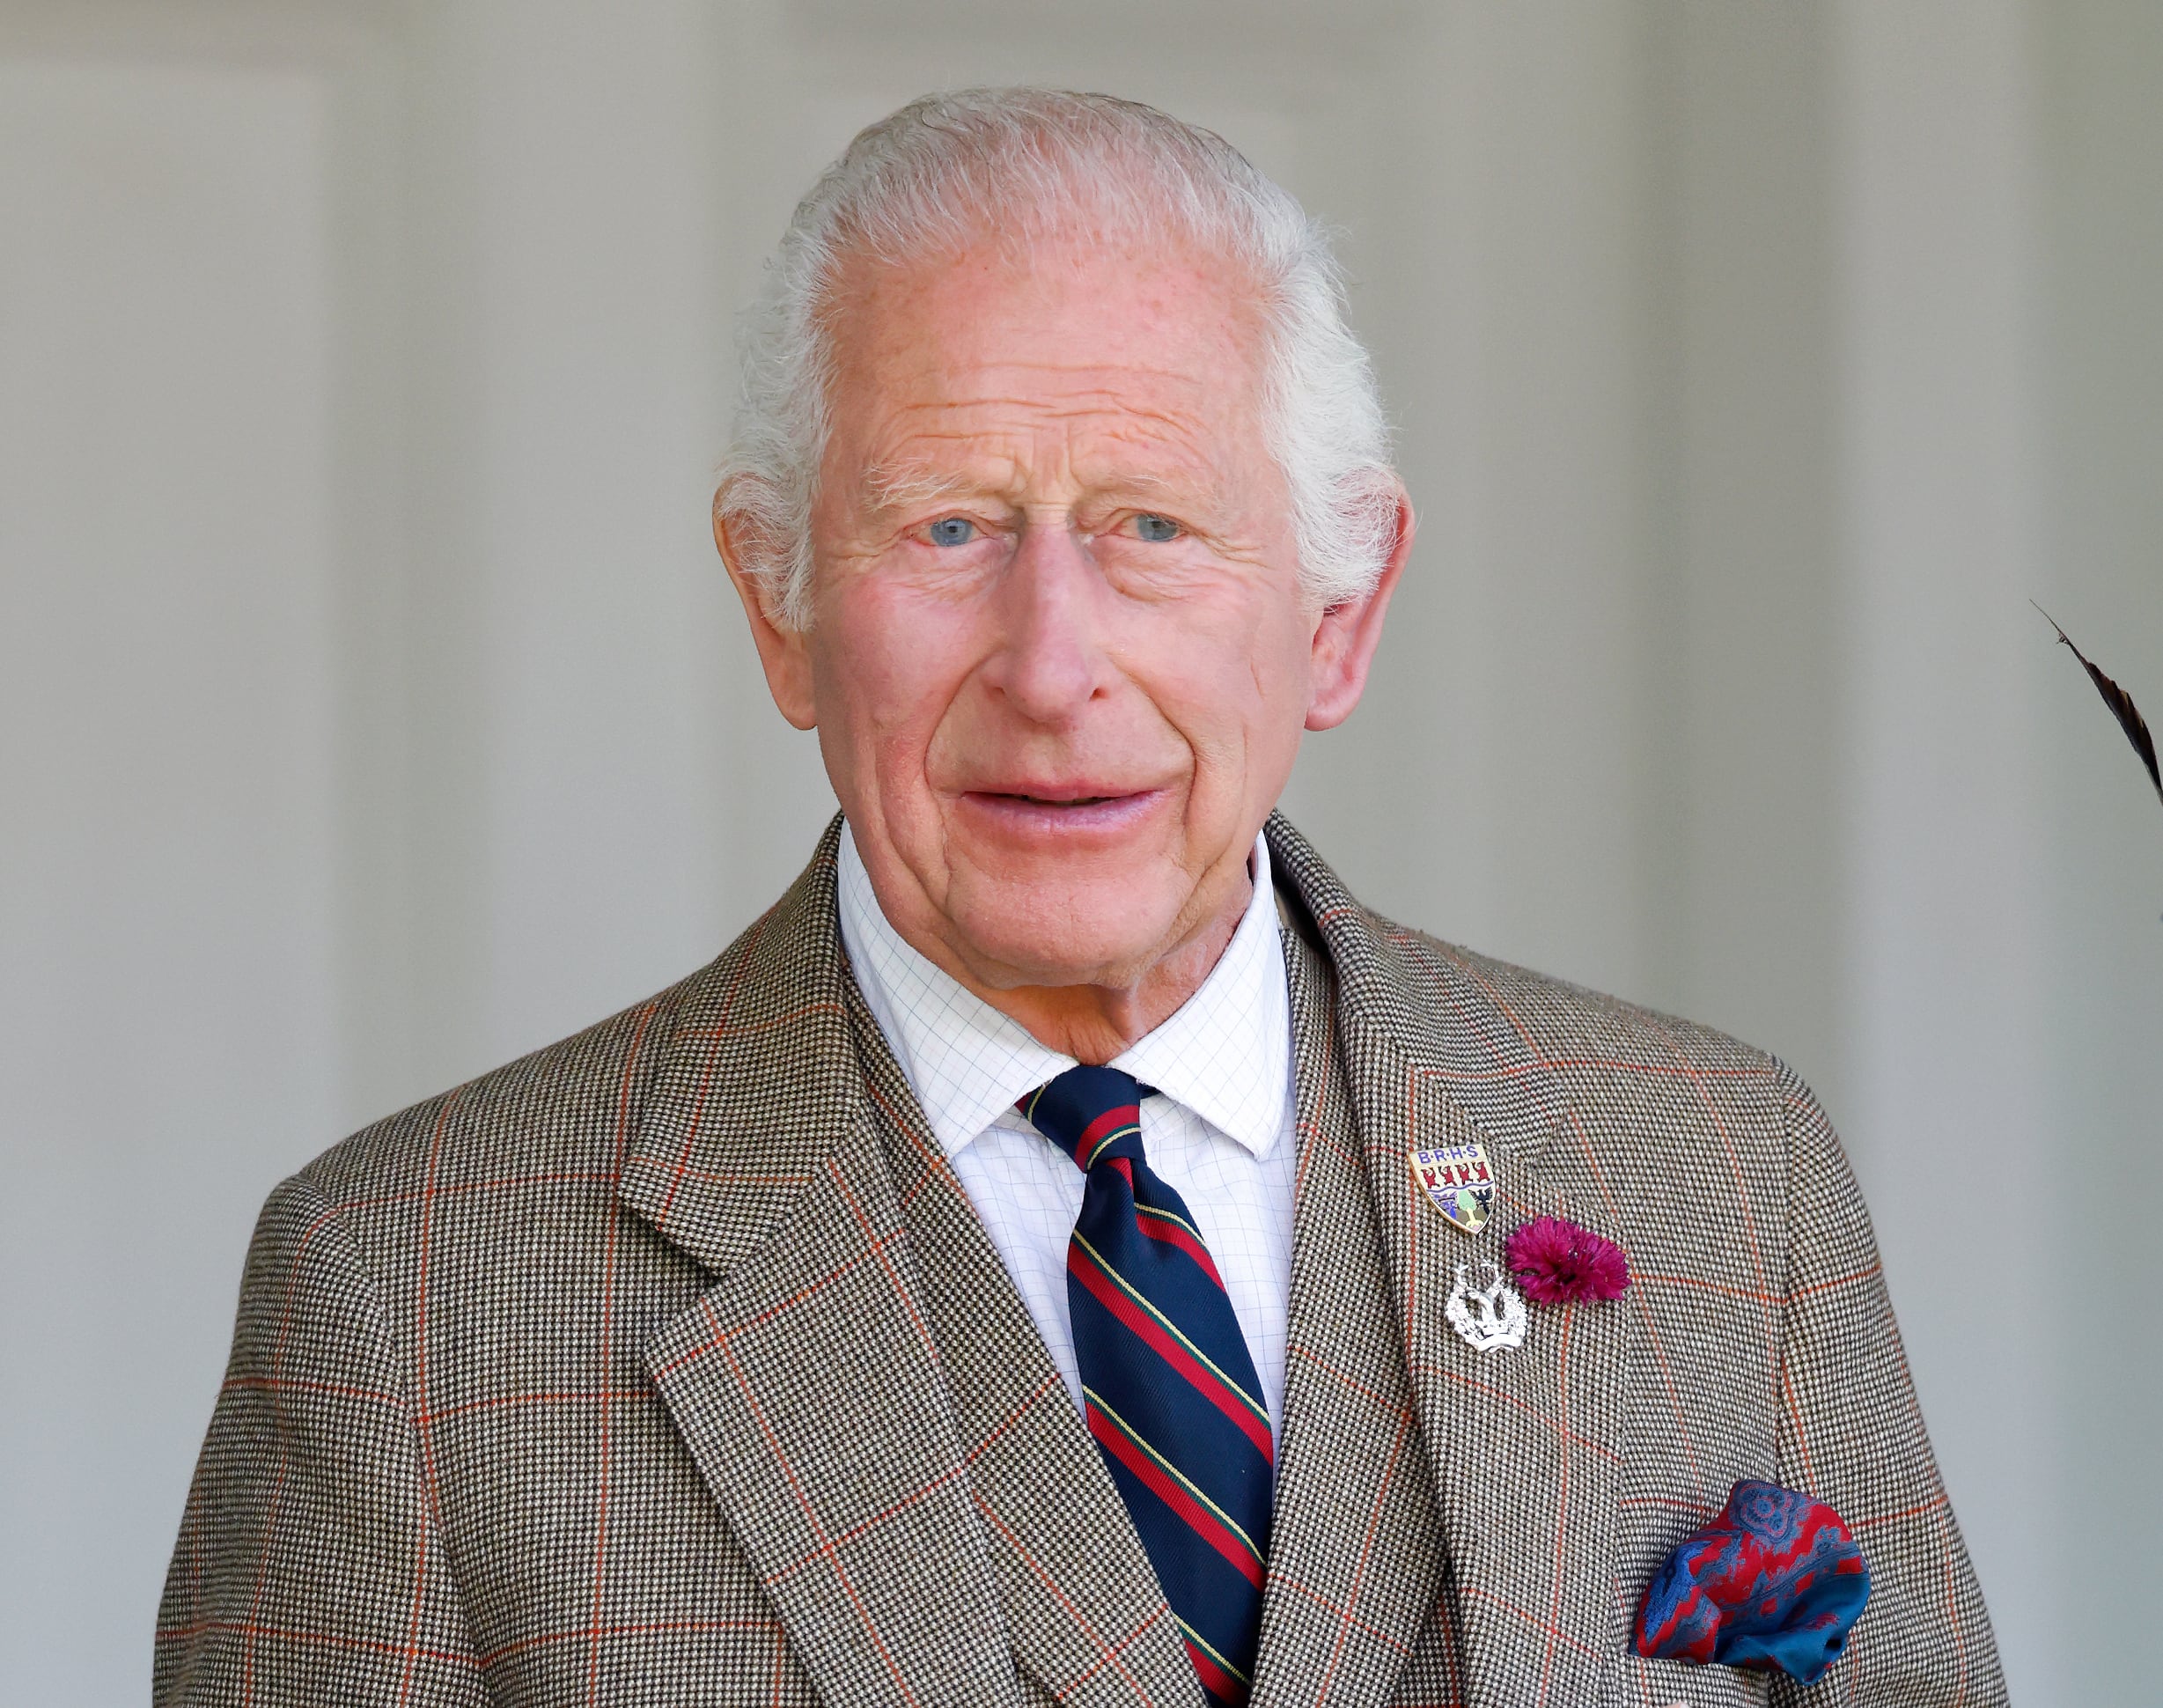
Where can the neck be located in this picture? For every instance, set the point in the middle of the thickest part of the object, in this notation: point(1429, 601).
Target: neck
point(1093, 1023)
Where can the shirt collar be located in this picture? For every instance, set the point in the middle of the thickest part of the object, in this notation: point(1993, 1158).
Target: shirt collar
point(1226, 1053)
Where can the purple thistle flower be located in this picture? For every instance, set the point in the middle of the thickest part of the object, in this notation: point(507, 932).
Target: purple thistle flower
point(1557, 1262)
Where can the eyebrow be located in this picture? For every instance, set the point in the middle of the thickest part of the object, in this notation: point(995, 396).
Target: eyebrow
point(907, 485)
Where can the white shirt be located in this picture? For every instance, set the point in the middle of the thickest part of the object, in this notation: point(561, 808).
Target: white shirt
point(1220, 1135)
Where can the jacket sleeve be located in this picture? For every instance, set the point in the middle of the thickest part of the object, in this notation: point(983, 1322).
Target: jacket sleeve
point(1851, 1435)
point(310, 1567)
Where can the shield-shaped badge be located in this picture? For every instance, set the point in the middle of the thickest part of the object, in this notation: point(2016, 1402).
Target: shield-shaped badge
point(1457, 1181)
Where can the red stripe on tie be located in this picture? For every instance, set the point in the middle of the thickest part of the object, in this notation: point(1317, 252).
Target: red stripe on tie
point(1219, 1682)
point(1120, 1115)
point(1175, 1234)
point(1109, 1294)
point(1197, 1518)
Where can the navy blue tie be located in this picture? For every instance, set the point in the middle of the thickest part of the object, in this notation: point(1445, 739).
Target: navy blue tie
point(1168, 1387)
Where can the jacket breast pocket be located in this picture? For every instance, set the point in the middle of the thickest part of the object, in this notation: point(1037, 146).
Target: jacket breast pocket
point(1679, 1684)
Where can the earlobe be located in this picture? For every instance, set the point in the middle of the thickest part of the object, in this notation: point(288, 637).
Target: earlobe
point(782, 652)
point(1346, 635)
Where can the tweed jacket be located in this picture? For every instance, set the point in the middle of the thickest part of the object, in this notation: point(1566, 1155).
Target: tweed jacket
point(672, 1366)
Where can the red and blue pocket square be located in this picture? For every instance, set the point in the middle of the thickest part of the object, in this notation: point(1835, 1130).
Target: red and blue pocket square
point(1774, 1583)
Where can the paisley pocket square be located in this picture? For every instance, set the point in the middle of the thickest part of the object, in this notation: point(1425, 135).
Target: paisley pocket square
point(1775, 1583)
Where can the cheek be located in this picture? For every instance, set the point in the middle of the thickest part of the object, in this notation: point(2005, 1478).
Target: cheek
point(885, 668)
point(1232, 676)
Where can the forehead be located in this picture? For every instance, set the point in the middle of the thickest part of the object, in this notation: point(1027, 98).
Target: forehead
point(1074, 338)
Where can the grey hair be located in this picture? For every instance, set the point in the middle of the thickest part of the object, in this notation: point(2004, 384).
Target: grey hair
point(951, 169)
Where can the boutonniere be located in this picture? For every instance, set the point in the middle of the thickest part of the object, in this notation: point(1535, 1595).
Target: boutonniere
point(1558, 1263)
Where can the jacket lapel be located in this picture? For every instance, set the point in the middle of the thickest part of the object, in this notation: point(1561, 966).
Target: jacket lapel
point(1524, 1446)
point(1083, 1611)
point(805, 1382)
point(1357, 1564)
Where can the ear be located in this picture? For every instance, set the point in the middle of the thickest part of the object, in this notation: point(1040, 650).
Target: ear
point(1346, 635)
point(743, 540)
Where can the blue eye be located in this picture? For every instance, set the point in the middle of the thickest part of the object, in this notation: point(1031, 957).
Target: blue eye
point(953, 531)
point(1156, 529)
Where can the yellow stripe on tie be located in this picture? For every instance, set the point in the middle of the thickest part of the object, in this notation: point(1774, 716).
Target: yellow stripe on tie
point(1171, 1328)
point(1176, 1221)
point(1111, 1137)
point(1204, 1644)
point(1173, 1471)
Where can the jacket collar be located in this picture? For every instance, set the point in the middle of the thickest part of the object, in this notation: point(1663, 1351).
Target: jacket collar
point(755, 1083)
point(1403, 998)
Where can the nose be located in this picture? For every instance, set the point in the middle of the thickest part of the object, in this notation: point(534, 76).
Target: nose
point(1050, 661)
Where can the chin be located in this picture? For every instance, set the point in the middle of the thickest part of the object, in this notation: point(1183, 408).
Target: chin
point(1050, 936)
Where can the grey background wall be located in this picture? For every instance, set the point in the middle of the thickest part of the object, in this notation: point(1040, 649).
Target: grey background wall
point(372, 709)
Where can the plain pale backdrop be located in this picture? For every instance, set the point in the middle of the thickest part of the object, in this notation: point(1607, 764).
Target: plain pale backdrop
point(372, 709)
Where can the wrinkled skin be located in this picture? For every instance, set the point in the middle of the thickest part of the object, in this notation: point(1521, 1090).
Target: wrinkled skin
point(1059, 660)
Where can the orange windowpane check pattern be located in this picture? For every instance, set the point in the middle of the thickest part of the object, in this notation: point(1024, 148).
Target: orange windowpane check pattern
point(672, 1365)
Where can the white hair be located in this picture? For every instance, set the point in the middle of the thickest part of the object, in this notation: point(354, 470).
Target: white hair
point(952, 169)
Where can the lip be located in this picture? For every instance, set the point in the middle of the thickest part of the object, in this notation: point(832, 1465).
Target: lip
point(1060, 813)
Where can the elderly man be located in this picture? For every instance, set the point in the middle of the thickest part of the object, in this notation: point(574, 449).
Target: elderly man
point(1068, 1249)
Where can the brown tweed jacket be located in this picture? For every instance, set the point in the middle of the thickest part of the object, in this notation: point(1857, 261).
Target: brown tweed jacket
point(671, 1365)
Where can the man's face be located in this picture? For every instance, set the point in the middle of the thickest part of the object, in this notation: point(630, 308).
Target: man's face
point(1060, 660)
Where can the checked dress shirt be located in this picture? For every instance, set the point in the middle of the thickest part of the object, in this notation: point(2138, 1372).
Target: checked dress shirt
point(1220, 1133)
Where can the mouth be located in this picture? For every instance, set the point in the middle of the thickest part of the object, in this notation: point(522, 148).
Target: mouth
point(1040, 810)
point(1028, 799)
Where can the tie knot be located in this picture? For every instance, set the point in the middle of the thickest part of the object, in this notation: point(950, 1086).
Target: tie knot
point(1093, 1113)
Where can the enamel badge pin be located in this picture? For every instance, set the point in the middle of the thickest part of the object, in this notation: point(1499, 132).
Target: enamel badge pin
point(1457, 1181)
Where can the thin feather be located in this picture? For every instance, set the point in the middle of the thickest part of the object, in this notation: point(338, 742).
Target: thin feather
point(2121, 704)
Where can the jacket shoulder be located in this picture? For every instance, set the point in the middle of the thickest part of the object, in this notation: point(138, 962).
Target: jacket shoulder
point(1470, 1011)
point(1561, 1021)
point(554, 1118)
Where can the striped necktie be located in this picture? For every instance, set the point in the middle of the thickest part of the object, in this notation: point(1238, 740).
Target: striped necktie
point(1168, 1387)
